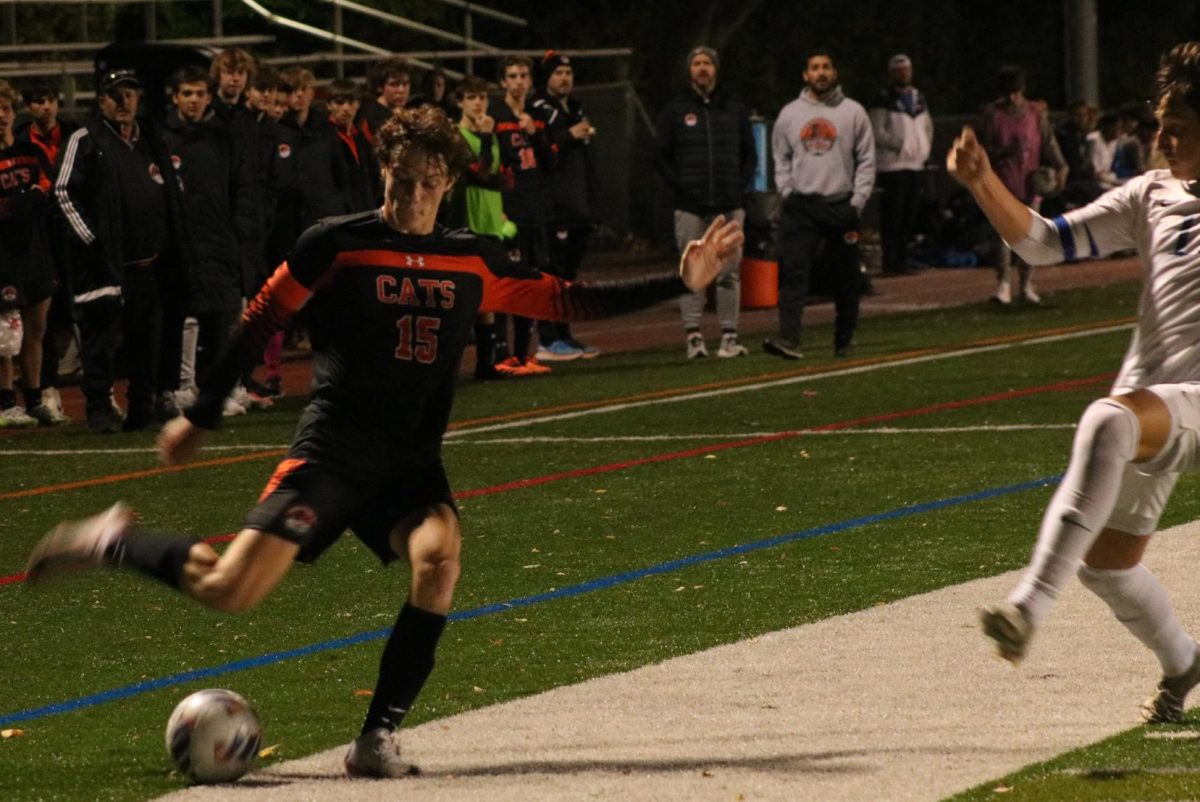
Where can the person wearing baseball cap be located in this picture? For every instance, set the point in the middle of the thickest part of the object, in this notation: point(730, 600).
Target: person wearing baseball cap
point(704, 152)
point(118, 191)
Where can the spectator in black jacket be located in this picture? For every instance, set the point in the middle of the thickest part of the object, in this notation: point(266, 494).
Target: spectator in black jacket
point(50, 134)
point(571, 197)
point(219, 200)
point(390, 82)
point(118, 191)
point(357, 172)
point(704, 152)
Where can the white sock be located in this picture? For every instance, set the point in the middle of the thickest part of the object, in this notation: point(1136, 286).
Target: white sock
point(1106, 440)
point(1139, 601)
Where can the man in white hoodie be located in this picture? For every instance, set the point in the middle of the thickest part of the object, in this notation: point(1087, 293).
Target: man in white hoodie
point(903, 138)
point(824, 170)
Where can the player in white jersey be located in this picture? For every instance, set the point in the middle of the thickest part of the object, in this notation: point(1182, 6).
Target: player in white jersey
point(1131, 446)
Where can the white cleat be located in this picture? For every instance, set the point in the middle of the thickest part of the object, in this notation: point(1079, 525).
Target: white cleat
point(78, 545)
point(1009, 629)
point(376, 754)
point(1166, 705)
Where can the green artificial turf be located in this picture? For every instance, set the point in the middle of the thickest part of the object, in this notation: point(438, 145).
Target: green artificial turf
point(103, 631)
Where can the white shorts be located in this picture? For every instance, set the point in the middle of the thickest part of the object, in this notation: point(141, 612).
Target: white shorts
point(1146, 486)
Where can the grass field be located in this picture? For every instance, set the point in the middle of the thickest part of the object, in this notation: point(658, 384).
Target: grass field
point(620, 500)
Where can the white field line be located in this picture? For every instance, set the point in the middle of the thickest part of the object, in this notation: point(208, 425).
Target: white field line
point(808, 377)
point(649, 438)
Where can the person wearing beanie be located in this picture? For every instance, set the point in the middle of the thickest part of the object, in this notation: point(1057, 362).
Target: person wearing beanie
point(704, 152)
point(572, 185)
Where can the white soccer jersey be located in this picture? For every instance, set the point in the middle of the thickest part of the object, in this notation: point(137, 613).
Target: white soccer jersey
point(1159, 216)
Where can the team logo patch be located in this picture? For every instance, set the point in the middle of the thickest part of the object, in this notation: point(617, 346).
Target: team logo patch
point(9, 294)
point(176, 161)
point(300, 519)
point(285, 150)
point(156, 174)
point(818, 136)
point(850, 237)
point(690, 120)
point(514, 254)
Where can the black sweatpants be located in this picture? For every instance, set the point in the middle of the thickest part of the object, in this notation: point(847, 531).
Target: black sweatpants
point(899, 201)
point(567, 247)
point(804, 224)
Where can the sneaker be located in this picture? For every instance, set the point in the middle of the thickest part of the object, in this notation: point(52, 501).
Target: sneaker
point(783, 348)
point(589, 351)
point(509, 367)
point(1009, 629)
point(251, 400)
point(558, 351)
point(15, 418)
point(1003, 294)
point(45, 417)
point(104, 421)
point(115, 407)
point(274, 385)
point(1029, 296)
point(730, 347)
point(52, 403)
point(695, 346)
point(76, 545)
point(376, 754)
point(232, 408)
point(534, 367)
point(1166, 705)
point(258, 389)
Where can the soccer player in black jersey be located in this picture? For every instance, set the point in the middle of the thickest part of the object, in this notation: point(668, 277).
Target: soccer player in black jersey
point(392, 298)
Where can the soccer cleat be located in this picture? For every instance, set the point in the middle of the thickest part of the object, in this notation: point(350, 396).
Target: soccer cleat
point(15, 417)
point(76, 545)
point(730, 347)
point(1029, 296)
point(1166, 705)
point(695, 346)
point(231, 407)
point(589, 351)
point(509, 367)
point(1009, 629)
point(783, 348)
point(533, 367)
point(1003, 294)
point(52, 403)
point(558, 351)
point(376, 754)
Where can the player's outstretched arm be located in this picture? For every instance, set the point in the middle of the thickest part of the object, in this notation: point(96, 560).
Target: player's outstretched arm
point(180, 440)
point(702, 258)
point(968, 163)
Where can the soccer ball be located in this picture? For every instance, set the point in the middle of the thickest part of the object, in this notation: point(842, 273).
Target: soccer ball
point(213, 736)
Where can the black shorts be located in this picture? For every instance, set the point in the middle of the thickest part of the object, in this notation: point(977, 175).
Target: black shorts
point(26, 292)
point(312, 506)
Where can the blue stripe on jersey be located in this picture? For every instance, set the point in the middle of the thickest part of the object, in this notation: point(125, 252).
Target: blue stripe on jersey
point(1067, 238)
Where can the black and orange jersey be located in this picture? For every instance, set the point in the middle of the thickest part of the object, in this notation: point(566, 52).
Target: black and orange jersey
point(24, 201)
point(390, 315)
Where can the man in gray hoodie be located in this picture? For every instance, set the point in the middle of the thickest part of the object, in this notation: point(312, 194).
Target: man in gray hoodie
point(824, 170)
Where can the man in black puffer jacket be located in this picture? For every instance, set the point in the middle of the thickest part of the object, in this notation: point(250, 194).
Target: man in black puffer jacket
point(705, 153)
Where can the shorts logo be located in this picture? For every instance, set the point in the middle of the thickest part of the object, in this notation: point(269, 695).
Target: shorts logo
point(562, 234)
point(176, 161)
point(300, 519)
point(818, 136)
point(690, 120)
point(850, 237)
point(9, 294)
point(285, 150)
point(156, 174)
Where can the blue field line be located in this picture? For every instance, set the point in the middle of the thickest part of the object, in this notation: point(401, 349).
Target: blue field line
point(602, 583)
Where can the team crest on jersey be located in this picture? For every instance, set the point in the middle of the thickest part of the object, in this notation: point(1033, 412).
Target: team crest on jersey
point(156, 174)
point(300, 519)
point(176, 161)
point(285, 150)
point(818, 136)
point(850, 237)
point(690, 120)
point(9, 294)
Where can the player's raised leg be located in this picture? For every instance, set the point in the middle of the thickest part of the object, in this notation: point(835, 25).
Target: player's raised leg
point(431, 541)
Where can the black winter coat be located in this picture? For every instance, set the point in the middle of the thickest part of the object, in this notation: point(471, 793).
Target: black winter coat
point(704, 151)
point(573, 179)
point(219, 198)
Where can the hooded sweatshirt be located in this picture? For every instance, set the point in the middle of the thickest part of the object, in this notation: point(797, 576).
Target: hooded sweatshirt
point(824, 148)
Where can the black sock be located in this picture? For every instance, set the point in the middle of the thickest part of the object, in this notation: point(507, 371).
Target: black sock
point(406, 663)
point(8, 399)
point(156, 554)
point(33, 396)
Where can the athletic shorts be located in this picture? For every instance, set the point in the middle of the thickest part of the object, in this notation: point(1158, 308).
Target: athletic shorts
point(24, 293)
point(311, 506)
point(1146, 486)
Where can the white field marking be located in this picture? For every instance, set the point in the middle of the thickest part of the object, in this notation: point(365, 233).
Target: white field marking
point(765, 385)
point(649, 438)
point(654, 438)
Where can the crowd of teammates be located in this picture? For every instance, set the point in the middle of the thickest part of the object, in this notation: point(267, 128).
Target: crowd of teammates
point(144, 237)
